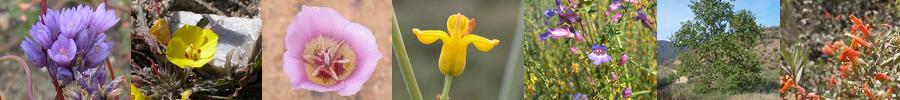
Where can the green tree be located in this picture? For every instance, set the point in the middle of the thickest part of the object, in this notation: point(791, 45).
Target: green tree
point(718, 44)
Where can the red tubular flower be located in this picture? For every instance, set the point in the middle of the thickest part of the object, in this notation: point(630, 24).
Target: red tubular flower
point(845, 69)
point(868, 91)
point(857, 41)
point(828, 49)
point(881, 76)
point(858, 25)
point(849, 55)
point(786, 83)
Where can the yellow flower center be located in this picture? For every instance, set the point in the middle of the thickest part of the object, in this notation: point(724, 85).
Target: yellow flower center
point(328, 61)
point(192, 52)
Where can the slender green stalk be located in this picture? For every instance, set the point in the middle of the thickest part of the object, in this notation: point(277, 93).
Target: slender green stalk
point(405, 67)
point(447, 80)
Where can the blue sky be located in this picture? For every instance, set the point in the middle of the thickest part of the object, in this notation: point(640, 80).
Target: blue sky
point(672, 12)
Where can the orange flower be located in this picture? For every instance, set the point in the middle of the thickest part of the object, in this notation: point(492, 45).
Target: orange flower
point(857, 41)
point(844, 69)
point(786, 83)
point(881, 76)
point(849, 55)
point(889, 92)
point(827, 49)
point(858, 25)
point(868, 91)
point(838, 44)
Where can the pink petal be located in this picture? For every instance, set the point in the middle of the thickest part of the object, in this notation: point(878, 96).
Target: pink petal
point(363, 43)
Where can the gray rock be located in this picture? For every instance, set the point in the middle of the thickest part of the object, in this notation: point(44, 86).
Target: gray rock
point(235, 33)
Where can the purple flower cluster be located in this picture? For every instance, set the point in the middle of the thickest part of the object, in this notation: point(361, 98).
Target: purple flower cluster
point(71, 45)
point(567, 17)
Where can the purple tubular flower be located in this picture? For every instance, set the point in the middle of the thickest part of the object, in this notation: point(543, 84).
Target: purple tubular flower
point(74, 20)
point(569, 17)
point(614, 5)
point(623, 59)
point(614, 77)
point(574, 50)
point(616, 17)
point(102, 19)
point(98, 51)
point(35, 53)
point(63, 73)
point(63, 51)
point(543, 37)
point(626, 92)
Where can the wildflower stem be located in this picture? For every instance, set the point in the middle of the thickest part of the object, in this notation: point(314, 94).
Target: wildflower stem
point(446, 94)
point(405, 67)
point(27, 73)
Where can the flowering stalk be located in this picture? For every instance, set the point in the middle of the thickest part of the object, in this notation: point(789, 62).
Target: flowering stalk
point(24, 66)
point(446, 94)
point(405, 67)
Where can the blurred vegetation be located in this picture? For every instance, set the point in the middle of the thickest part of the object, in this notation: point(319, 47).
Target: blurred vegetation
point(719, 46)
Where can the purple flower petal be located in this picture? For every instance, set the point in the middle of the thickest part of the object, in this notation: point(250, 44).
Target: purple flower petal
point(623, 59)
point(616, 17)
point(35, 54)
point(626, 92)
point(63, 73)
point(102, 19)
point(74, 20)
point(63, 51)
point(99, 51)
point(41, 35)
point(544, 37)
point(614, 77)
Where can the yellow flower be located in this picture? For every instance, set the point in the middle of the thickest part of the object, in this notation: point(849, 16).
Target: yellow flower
point(453, 52)
point(136, 93)
point(185, 95)
point(160, 30)
point(192, 46)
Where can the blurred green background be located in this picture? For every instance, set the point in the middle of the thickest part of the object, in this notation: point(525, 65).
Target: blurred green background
point(484, 73)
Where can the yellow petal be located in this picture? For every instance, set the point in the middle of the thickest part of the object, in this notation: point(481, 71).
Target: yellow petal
point(429, 36)
point(185, 95)
point(458, 25)
point(209, 48)
point(190, 34)
point(483, 44)
point(160, 30)
point(136, 93)
point(453, 58)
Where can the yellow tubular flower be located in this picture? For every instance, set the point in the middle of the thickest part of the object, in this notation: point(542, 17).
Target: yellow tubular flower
point(192, 46)
point(453, 52)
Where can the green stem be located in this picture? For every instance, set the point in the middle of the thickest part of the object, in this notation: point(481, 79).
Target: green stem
point(405, 67)
point(447, 80)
